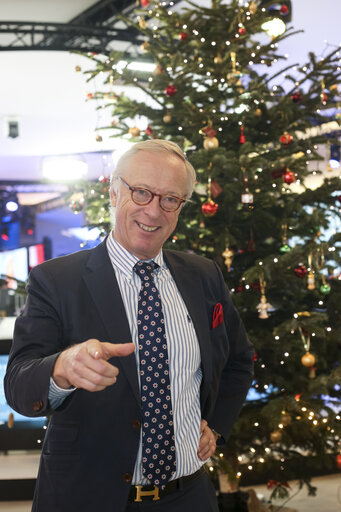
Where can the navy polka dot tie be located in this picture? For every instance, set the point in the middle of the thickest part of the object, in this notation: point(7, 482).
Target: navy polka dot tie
point(158, 446)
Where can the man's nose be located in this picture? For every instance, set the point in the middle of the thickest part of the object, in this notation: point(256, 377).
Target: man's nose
point(153, 208)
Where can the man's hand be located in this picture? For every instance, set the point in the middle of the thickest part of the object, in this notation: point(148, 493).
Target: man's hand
point(207, 444)
point(86, 365)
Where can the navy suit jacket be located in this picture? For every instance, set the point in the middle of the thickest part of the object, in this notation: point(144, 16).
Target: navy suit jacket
point(91, 443)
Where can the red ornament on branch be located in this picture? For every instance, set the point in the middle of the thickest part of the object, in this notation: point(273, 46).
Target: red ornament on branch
point(242, 139)
point(289, 177)
point(183, 36)
point(149, 130)
point(286, 138)
point(144, 3)
point(300, 270)
point(284, 10)
point(209, 208)
point(171, 90)
point(241, 29)
point(209, 131)
point(296, 97)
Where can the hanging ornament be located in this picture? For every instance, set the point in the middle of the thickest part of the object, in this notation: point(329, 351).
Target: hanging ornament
point(218, 59)
point(241, 29)
point(183, 36)
point(242, 139)
point(216, 189)
point(323, 95)
point(286, 138)
point(208, 131)
point(334, 89)
point(258, 112)
point(158, 70)
point(276, 436)
point(228, 255)
point(99, 138)
point(142, 23)
point(76, 202)
point(311, 274)
point(170, 91)
point(78, 69)
point(144, 46)
point(289, 177)
point(210, 143)
point(247, 197)
point(308, 360)
point(89, 95)
point(149, 131)
point(284, 10)
point(209, 208)
point(144, 3)
point(264, 305)
point(286, 419)
point(253, 7)
point(285, 247)
point(232, 74)
point(300, 270)
point(312, 372)
point(167, 118)
point(134, 131)
point(325, 287)
point(296, 97)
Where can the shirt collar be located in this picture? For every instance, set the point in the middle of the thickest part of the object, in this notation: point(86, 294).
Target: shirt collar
point(123, 260)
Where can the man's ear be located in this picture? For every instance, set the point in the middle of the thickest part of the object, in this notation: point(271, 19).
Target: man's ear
point(113, 197)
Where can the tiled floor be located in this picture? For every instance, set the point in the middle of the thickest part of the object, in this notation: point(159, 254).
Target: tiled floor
point(328, 497)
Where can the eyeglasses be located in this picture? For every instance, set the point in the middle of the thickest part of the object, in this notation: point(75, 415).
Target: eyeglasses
point(143, 196)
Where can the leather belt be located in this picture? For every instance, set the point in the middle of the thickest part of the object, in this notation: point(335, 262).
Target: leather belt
point(140, 493)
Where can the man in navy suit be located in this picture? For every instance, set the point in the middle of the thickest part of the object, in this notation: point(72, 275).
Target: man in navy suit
point(75, 353)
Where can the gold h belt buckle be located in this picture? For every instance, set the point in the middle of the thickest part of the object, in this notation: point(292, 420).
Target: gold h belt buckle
point(139, 493)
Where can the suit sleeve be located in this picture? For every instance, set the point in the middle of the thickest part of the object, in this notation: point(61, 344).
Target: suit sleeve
point(36, 346)
point(236, 377)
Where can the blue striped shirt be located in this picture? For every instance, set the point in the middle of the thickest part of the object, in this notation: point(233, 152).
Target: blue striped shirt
point(183, 354)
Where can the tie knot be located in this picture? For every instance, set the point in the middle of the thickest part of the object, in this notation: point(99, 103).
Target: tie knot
point(145, 269)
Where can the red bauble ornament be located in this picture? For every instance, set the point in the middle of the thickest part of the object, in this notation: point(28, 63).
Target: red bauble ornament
point(284, 10)
point(289, 177)
point(338, 461)
point(324, 98)
point(296, 97)
point(242, 139)
point(300, 271)
point(286, 138)
point(103, 179)
point(339, 198)
point(89, 95)
point(183, 35)
point(209, 208)
point(144, 3)
point(241, 29)
point(255, 357)
point(149, 130)
point(171, 90)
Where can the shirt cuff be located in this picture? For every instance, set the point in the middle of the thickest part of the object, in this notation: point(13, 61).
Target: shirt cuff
point(57, 395)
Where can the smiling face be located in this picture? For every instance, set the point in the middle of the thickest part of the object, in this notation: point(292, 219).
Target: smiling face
point(142, 230)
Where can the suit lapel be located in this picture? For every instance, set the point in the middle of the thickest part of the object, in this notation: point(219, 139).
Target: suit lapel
point(101, 282)
point(190, 286)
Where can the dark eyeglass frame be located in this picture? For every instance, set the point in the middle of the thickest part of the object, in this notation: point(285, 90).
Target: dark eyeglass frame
point(152, 195)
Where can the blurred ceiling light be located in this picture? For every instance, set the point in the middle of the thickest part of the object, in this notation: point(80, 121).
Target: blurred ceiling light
point(64, 169)
point(12, 206)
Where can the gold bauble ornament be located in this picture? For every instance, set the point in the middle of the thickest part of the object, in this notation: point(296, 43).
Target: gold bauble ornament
point(78, 69)
point(145, 46)
point(167, 118)
point(334, 89)
point(134, 131)
point(253, 7)
point(276, 436)
point(99, 138)
point(142, 23)
point(218, 59)
point(158, 70)
point(211, 142)
point(308, 360)
point(258, 112)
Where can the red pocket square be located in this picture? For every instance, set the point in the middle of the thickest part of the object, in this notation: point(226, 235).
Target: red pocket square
point(218, 315)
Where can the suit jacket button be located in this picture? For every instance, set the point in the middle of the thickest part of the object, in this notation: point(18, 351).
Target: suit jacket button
point(127, 477)
point(136, 424)
point(37, 406)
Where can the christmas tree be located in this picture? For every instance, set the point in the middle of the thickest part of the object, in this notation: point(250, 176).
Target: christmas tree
point(254, 136)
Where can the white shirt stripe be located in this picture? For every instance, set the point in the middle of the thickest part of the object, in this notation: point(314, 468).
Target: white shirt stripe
point(183, 351)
